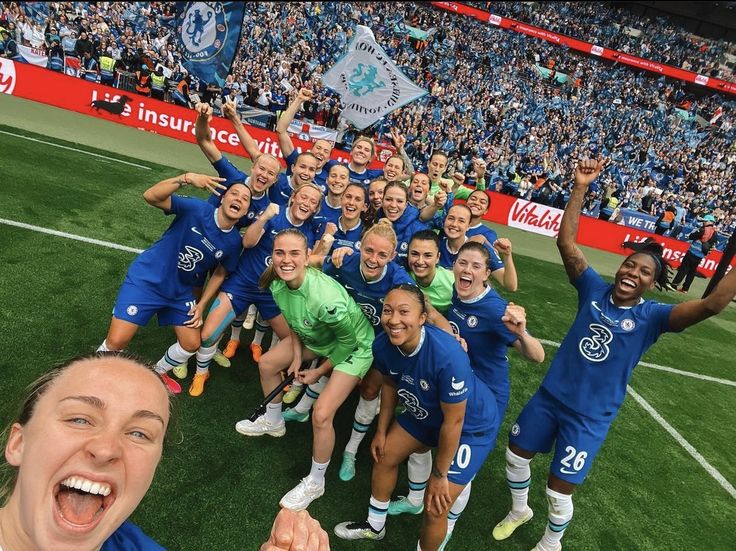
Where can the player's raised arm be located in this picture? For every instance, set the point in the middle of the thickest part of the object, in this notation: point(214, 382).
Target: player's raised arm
point(253, 233)
point(159, 195)
point(572, 257)
point(691, 312)
point(282, 127)
point(246, 140)
point(202, 132)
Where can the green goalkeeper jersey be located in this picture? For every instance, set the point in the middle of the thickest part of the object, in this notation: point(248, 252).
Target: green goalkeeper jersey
point(439, 292)
point(324, 316)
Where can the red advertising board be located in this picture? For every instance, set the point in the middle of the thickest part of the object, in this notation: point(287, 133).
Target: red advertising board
point(588, 48)
point(598, 234)
point(96, 100)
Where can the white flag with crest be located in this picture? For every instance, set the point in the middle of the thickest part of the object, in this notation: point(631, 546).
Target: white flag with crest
point(369, 83)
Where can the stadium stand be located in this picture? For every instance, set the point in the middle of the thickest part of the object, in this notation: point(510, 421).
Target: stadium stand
point(528, 107)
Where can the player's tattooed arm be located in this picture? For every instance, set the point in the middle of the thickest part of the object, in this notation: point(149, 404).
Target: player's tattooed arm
point(572, 257)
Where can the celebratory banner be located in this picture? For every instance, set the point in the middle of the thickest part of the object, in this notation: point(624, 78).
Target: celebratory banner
point(309, 132)
point(34, 56)
point(208, 34)
point(588, 48)
point(370, 85)
point(104, 102)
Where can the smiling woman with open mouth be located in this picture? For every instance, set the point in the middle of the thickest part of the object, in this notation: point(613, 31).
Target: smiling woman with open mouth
point(85, 447)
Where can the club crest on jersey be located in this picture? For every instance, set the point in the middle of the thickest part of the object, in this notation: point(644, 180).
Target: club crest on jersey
point(189, 258)
point(472, 321)
point(357, 245)
point(132, 310)
point(516, 430)
point(424, 385)
point(628, 324)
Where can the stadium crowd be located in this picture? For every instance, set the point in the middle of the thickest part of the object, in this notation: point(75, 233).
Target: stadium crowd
point(616, 28)
point(493, 103)
point(527, 107)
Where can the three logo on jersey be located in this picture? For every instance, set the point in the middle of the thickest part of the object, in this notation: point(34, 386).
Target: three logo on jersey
point(412, 404)
point(189, 258)
point(370, 312)
point(595, 347)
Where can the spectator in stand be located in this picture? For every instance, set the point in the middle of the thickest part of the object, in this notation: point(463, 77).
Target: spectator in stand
point(56, 56)
point(702, 242)
point(90, 67)
point(10, 47)
point(83, 44)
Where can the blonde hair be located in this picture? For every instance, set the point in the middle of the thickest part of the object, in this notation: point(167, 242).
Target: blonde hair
point(382, 228)
point(269, 274)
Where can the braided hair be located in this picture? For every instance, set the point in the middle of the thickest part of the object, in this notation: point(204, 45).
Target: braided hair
point(654, 250)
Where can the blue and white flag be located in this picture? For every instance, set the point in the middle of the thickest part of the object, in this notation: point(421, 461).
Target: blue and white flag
point(34, 56)
point(370, 85)
point(208, 34)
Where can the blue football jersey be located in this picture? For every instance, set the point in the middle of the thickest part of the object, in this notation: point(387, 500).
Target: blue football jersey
point(485, 231)
point(281, 191)
point(405, 227)
point(368, 295)
point(192, 245)
point(328, 213)
point(256, 259)
point(366, 177)
point(320, 178)
point(438, 371)
point(591, 369)
point(348, 238)
point(448, 257)
point(129, 537)
point(478, 321)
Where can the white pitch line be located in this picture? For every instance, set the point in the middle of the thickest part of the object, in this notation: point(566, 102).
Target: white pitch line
point(75, 149)
point(81, 238)
point(667, 369)
point(702, 461)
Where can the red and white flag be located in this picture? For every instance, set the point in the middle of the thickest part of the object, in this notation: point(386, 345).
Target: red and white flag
point(72, 66)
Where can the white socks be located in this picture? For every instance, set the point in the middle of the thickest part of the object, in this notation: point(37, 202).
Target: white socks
point(317, 473)
point(560, 515)
point(518, 479)
point(419, 468)
point(364, 414)
point(174, 356)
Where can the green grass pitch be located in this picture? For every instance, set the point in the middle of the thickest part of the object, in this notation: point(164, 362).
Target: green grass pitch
point(216, 489)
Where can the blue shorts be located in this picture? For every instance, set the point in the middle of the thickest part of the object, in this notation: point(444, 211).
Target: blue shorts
point(241, 298)
point(138, 304)
point(471, 453)
point(545, 420)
